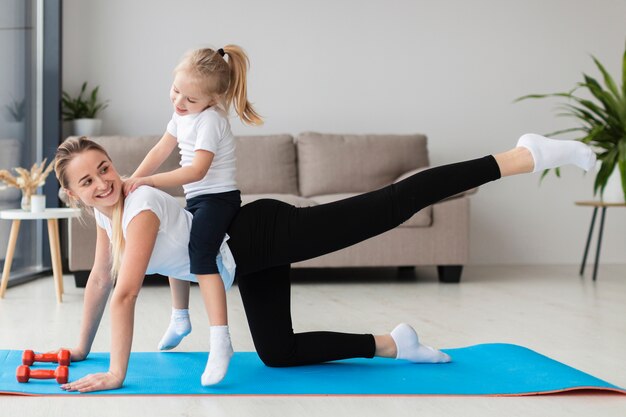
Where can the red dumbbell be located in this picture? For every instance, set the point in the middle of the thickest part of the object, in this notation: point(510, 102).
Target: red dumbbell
point(23, 374)
point(62, 357)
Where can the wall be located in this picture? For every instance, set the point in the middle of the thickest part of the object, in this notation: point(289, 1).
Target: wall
point(450, 69)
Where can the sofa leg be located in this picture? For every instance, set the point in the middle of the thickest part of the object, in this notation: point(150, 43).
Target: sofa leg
point(80, 278)
point(406, 272)
point(450, 273)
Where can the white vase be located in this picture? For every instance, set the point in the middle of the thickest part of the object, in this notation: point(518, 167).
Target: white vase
point(25, 203)
point(613, 192)
point(87, 127)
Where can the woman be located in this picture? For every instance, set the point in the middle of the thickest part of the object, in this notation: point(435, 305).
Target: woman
point(266, 236)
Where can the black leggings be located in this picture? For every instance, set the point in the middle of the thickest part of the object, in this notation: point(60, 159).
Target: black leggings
point(266, 236)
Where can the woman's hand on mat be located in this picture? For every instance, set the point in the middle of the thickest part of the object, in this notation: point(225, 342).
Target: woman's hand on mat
point(131, 184)
point(95, 382)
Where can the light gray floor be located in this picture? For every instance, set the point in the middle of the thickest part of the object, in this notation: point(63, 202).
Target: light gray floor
point(548, 309)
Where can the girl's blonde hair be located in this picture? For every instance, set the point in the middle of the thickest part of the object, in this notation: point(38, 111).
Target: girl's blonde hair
point(64, 154)
point(223, 79)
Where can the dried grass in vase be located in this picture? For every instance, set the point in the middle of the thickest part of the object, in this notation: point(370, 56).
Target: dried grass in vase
point(27, 181)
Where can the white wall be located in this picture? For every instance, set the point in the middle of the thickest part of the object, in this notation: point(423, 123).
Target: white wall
point(449, 69)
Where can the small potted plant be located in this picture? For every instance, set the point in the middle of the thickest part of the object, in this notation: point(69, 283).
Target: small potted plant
point(602, 125)
point(83, 110)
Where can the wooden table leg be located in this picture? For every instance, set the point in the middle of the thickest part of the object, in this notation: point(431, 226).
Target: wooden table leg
point(58, 240)
point(595, 266)
point(593, 222)
point(8, 260)
point(53, 237)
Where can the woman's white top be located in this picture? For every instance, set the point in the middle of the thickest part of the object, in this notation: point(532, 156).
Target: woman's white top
point(170, 255)
point(210, 131)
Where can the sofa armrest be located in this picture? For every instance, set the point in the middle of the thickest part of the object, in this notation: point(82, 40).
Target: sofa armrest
point(415, 171)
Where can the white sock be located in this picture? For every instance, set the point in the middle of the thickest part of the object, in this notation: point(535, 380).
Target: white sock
point(219, 357)
point(410, 348)
point(180, 326)
point(552, 153)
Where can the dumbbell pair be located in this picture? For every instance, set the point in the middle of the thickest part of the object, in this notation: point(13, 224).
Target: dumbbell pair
point(24, 373)
point(61, 373)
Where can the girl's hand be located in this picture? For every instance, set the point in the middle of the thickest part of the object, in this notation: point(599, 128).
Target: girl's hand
point(94, 382)
point(131, 184)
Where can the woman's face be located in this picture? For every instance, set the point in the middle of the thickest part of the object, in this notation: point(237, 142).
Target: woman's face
point(92, 178)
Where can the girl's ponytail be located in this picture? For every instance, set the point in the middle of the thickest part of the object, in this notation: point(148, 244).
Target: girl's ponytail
point(237, 93)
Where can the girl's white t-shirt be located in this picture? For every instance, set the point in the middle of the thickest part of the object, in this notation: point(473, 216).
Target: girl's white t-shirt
point(210, 131)
point(170, 255)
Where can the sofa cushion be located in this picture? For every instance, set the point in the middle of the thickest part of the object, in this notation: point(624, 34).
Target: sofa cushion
point(422, 218)
point(330, 164)
point(266, 164)
point(287, 198)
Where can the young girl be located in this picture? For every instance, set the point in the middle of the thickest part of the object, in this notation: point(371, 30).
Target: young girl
point(205, 85)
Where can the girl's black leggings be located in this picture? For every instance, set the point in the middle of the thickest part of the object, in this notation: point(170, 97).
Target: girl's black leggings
point(266, 236)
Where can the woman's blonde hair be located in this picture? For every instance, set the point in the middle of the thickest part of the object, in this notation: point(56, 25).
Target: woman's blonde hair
point(223, 79)
point(64, 154)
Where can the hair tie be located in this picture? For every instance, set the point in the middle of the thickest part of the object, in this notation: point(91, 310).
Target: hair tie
point(221, 52)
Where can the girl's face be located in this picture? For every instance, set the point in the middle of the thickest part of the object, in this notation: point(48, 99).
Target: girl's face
point(187, 95)
point(92, 178)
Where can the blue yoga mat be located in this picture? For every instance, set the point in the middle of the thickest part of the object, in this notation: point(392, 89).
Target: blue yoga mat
point(487, 369)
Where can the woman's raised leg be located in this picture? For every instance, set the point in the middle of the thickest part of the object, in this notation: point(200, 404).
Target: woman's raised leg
point(268, 233)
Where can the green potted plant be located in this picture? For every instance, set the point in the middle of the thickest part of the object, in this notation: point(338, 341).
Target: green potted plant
point(601, 123)
point(83, 110)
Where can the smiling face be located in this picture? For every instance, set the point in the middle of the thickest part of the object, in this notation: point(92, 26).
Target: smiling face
point(92, 178)
point(187, 95)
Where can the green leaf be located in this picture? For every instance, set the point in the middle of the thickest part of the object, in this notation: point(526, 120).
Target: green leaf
point(624, 75)
point(611, 107)
point(608, 80)
point(622, 164)
point(608, 164)
point(622, 171)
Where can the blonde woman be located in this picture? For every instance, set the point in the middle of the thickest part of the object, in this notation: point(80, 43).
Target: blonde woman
point(266, 236)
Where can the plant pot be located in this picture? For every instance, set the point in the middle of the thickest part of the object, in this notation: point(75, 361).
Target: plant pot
point(614, 191)
point(87, 127)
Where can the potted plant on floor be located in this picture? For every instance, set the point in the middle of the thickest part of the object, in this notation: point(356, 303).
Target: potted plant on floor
point(602, 125)
point(83, 110)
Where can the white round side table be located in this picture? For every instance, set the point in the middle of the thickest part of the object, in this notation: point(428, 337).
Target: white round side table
point(52, 215)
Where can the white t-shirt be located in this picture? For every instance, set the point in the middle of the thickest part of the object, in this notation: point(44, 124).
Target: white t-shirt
point(170, 255)
point(208, 130)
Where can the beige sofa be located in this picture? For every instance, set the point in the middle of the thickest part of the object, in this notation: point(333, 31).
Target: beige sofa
point(315, 169)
